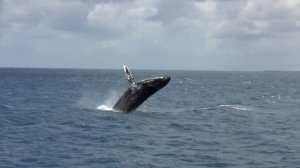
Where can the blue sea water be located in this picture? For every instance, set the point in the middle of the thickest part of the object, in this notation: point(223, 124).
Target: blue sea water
point(61, 118)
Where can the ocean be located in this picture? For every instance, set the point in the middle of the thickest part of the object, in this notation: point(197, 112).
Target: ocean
point(63, 118)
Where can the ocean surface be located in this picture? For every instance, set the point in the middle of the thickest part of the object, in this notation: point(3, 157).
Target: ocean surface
point(63, 118)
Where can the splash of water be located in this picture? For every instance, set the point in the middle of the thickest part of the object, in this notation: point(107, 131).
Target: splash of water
point(104, 107)
point(107, 105)
point(97, 100)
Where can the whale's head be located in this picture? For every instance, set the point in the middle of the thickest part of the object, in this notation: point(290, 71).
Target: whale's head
point(152, 85)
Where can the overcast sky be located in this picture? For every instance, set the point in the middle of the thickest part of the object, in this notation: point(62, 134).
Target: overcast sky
point(151, 34)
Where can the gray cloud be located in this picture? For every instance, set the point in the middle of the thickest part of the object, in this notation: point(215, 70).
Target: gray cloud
point(263, 19)
point(169, 34)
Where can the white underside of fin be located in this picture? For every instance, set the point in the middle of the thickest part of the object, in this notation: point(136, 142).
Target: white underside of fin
point(129, 76)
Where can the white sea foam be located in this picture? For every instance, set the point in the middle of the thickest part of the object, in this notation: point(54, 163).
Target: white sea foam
point(237, 107)
point(104, 107)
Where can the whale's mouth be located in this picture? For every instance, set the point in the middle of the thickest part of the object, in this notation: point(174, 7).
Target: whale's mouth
point(166, 78)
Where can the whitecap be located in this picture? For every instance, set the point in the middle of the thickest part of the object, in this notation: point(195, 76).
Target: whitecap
point(236, 107)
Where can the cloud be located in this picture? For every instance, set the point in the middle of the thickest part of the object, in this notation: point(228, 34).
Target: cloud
point(259, 19)
point(121, 19)
point(170, 34)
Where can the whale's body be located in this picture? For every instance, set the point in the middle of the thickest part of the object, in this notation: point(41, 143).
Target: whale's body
point(138, 92)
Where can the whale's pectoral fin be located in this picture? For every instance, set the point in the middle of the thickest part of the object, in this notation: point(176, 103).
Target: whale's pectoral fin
point(129, 76)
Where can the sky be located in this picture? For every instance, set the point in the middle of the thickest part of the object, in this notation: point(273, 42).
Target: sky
point(222, 35)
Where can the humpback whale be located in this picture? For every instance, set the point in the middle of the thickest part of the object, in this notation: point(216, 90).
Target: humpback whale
point(139, 91)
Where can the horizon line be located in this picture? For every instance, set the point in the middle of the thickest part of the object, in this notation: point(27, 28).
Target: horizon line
point(151, 69)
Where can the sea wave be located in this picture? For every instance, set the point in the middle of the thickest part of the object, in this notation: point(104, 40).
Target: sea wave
point(236, 107)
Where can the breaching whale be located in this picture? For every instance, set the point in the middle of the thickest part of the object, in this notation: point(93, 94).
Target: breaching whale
point(138, 92)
